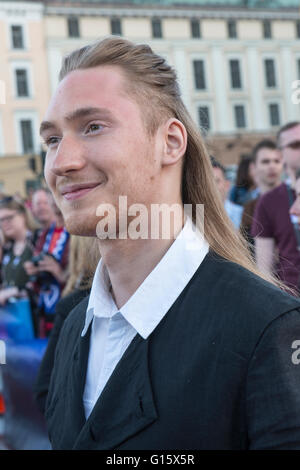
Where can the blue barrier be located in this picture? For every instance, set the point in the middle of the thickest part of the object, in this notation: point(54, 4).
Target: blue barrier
point(16, 321)
point(24, 427)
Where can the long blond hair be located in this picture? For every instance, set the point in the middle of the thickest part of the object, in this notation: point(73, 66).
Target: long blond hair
point(153, 83)
point(83, 259)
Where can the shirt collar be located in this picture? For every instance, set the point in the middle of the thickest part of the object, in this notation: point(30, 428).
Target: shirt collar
point(152, 300)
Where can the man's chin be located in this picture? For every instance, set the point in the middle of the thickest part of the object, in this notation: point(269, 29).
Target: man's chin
point(82, 228)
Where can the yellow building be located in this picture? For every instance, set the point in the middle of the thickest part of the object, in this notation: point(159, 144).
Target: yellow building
point(236, 65)
point(25, 91)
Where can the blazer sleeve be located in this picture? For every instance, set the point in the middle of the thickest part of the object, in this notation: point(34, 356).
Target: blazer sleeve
point(273, 386)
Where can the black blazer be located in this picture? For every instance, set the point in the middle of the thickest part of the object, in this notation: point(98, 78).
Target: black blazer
point(216, 373)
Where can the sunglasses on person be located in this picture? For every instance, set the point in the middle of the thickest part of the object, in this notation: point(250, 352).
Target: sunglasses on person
point(294, 145)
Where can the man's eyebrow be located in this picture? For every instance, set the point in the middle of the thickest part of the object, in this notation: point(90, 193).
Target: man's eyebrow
point(78, 113)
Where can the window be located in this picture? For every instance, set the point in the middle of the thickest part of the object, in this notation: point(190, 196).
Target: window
point(199, 74)
point(270, 73)
point(239, 115)
point(17, 37)
point(195, 29)
point(27, 136)
point(22, 83)
point(298, 29)
point(235, 74)
point(73, 27)
point(231, 28)
point(274, 114)
point(156, 28)
point(204, 117)
point(267, 29)
point(115, 26)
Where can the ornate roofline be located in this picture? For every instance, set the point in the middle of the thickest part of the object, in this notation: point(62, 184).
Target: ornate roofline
point(175, 12)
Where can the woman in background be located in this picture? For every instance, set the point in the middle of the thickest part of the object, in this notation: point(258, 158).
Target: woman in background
point(244, 188)
point(17, 225)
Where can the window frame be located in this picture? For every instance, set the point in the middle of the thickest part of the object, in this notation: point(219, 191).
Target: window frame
point(116, 21)
point(267, 29)
point(26, 81)
point(273, 61)
point(13, 25)
point(232, 34)
point(231, 76)
point(156, 22)
point(30, 151)
point(22, 115)
point(203, 73)
point(195, 22)
point(270, 104)
point(71, 19)
point(235, 116)
point(208, 107)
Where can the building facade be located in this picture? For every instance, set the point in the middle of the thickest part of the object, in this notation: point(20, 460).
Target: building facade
point(25, 90)
point(238, 62)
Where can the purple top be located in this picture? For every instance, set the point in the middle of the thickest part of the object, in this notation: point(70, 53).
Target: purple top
point(272, 220)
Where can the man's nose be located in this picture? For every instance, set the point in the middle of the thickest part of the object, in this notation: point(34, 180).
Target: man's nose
point(69, 156)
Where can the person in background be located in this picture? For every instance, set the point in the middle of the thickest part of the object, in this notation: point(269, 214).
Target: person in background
point(48, 269)
point(276, 248)
point(17, 226)
point(83, 259)
point(267, 172)
point(295, 208)
point(234, 211)
point(42, 210)
point(244, 188)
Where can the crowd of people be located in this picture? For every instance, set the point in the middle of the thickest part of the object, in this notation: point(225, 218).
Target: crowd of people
point(264, 204)
point(38, 258)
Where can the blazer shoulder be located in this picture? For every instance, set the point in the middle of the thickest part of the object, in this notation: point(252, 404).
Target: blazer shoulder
point(238, 288)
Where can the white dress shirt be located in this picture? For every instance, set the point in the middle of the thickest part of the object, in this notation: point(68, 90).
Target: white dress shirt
point(113, 329)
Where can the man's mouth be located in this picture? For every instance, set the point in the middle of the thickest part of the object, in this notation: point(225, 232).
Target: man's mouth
point(76, 191)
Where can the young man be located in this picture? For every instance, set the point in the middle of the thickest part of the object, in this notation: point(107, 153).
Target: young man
point(267, 171)
point(275, 240)
point(180, 344)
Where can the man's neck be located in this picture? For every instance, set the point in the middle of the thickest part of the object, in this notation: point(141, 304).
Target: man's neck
point(47, 225)
point(264, 188)
point(129, 262)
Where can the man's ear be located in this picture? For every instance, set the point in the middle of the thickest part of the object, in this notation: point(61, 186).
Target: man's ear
point(175, 142)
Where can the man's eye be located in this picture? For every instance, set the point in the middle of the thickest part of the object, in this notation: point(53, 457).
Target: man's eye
point(51, 141)
point(94, 128)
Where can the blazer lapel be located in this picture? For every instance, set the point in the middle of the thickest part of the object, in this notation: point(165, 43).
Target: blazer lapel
point(126, 405)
